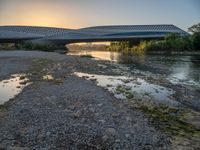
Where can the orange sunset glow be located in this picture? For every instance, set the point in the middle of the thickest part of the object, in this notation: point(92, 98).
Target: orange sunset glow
point(83, 13)
point(40, 14)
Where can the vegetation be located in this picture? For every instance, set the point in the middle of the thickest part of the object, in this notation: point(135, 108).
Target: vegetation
point(31, 46)
point(172, 42)
point(43, 47)
point(7, 46)
point(86, 56)
point(195, 28)
point(196, 41)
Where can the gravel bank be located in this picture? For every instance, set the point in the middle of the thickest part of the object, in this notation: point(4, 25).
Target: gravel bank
point(69, 112)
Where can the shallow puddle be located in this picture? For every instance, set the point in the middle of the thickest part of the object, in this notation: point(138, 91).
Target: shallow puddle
point(11, 87)
point(48, 77)
point(129, 87)
point(183, 79)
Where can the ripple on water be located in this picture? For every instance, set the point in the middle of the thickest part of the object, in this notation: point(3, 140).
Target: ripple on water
point(11, 87)
point(183, 79)
point(138, 87)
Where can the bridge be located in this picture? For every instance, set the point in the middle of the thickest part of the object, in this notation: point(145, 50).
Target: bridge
point(15, 34)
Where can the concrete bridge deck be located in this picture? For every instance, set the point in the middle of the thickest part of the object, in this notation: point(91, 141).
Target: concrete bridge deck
point(14, 34)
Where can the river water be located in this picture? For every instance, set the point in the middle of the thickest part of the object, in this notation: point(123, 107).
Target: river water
point(152, 79)
point(179, 69)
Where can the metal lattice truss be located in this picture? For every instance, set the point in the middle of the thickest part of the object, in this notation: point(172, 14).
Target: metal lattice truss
point(90, 34)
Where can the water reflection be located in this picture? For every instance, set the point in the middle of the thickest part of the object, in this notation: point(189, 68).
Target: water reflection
point(105, 55)
point(186, 70)
point(183, 69)
point(48, 77)
point(11, 87)
point(129, 87)
point(111, 56)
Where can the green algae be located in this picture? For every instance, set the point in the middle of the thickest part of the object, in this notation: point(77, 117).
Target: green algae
point(129, 95)
point(169, 120)
point(3, 108)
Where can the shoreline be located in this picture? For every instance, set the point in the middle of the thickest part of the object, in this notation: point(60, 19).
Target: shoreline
point(66, 110)
point(192, 53)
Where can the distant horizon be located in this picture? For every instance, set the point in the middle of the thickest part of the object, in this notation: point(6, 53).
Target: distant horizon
point(77, 14)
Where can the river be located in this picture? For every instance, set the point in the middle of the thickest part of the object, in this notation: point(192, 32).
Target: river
point(179, 69)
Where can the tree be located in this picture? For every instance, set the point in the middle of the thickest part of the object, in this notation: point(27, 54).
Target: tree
point(195, 28)
point(172, 36)
point(196, 41)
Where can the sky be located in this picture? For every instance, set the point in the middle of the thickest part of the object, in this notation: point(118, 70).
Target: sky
point(83, 13)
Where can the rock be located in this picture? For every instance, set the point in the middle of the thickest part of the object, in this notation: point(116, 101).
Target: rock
point(117, 140)
point(128, 87)
point(102, 121)
point(138, 83)
point(93, 79)
point(48, 133)
point(77, 114)
point(111, 131)
point(100, 104)
point(92, 109)
point(17, 148)
point(127, 135)
point(109, 85)
point(48, 98)
point(128, 118)
point(148, 147)
point(102, 66)
point(105, 138)
point(97, 114)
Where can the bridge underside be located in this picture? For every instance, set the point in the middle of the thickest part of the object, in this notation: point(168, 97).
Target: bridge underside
point(18, 34)
point(105, 39)
point(63, 41)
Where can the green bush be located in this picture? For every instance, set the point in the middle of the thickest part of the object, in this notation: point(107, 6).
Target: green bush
point(7, 46)
point(172, 36)
point(31, 46)
point(43, 47)
point(196, 41)
point(172, 42)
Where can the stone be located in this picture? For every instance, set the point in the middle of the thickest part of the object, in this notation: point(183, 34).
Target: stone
point(117, 140)
point(48, 133)
point(17, 148)
point(92, 109)
point(100, 104)
point(111, 131)
point(127, 135)
point(77, 114)
point(102, 121)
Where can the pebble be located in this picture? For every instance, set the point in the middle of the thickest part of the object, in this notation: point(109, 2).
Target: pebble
point(102, 121)
point(48, 133)
point(111, 131)
point(127, 135)
point(100, 104)
point(92, 110)
point(77, 114)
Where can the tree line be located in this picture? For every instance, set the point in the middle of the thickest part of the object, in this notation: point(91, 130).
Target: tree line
point(172, 42)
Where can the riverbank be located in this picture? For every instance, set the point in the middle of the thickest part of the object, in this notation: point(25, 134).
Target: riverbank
point(61, 109)
point(186, 53)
